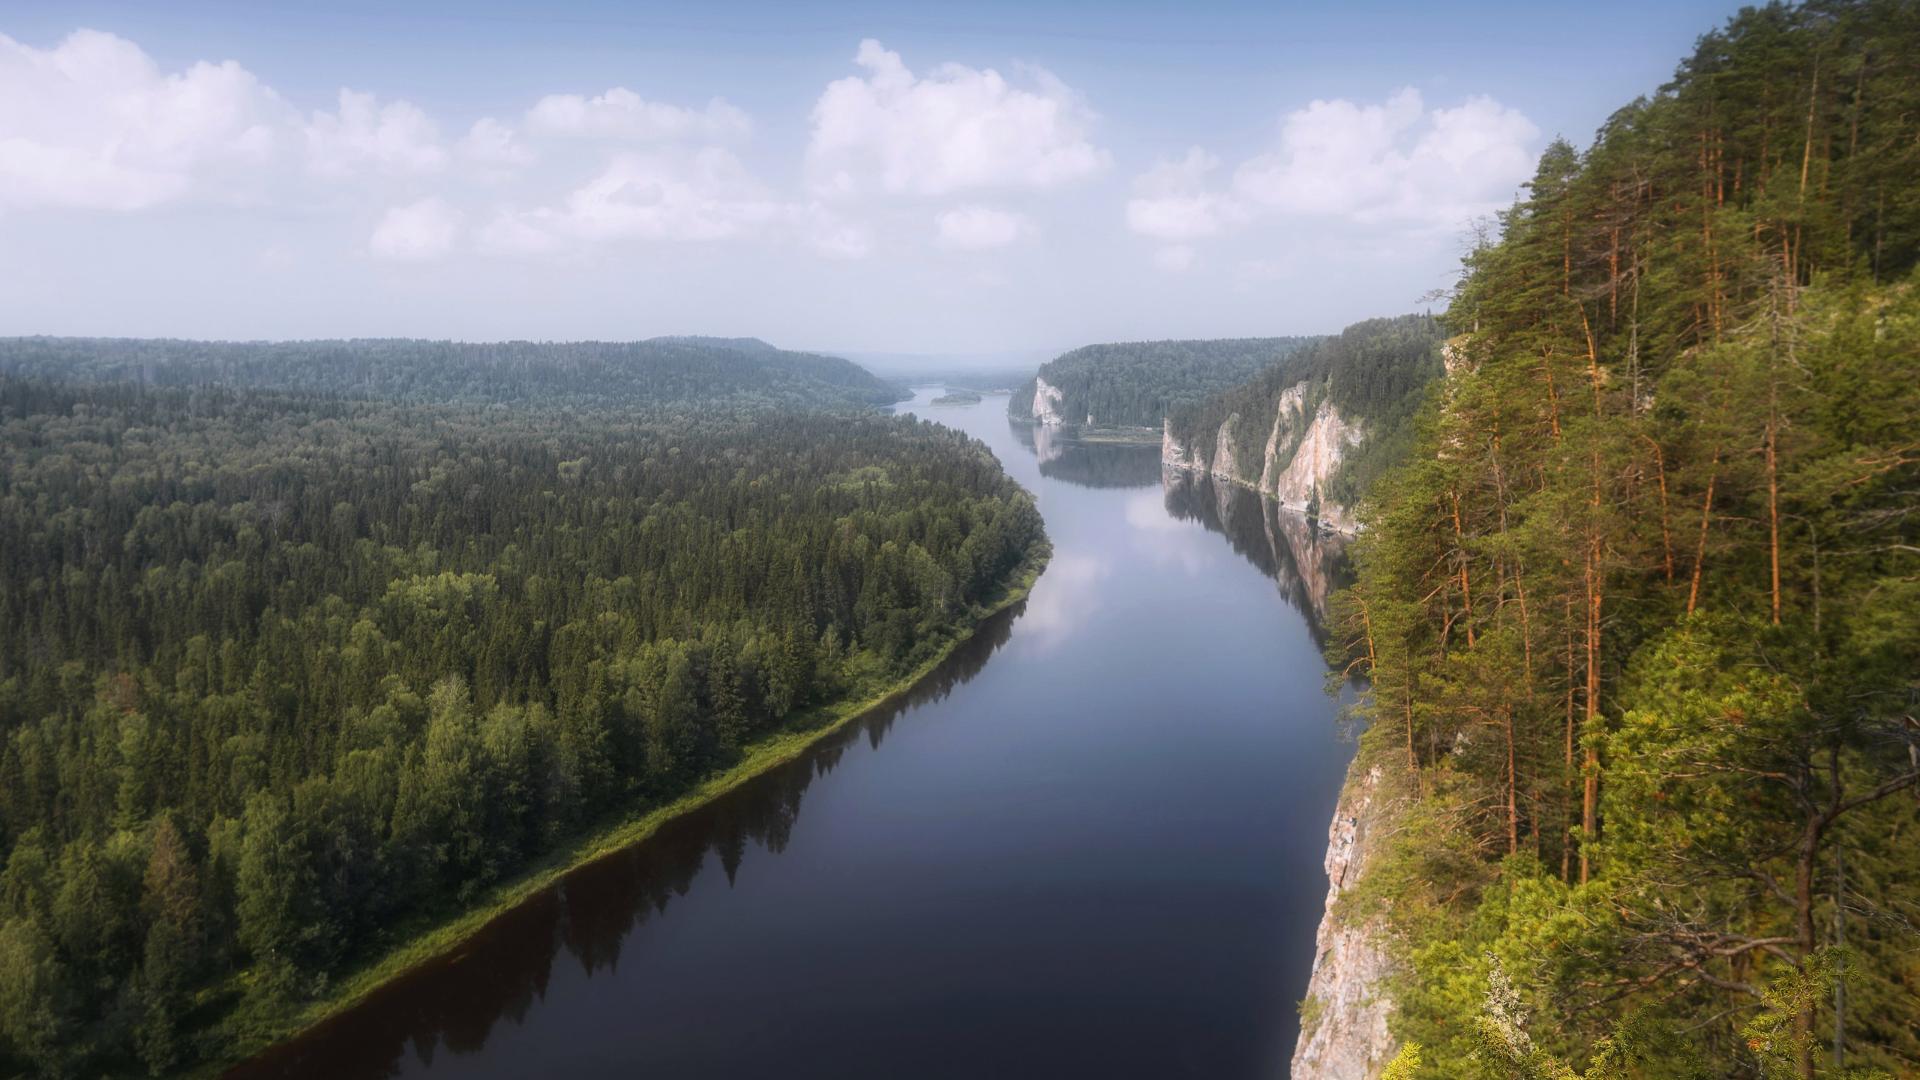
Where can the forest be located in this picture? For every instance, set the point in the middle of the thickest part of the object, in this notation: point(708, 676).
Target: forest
point(303, 647)
point(1374, 372)
point(1641, 612)
point(1138, 383)
point(736, 372)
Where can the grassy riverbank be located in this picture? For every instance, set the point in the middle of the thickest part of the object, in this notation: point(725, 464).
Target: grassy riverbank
point(242, 1035)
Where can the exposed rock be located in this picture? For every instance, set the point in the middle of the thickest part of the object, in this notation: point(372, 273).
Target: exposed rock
point(1344, 1035)
point(1301, 455)
point(1285, 418)
point(1224, 465)
point(1313, 463)
point(1046, 403)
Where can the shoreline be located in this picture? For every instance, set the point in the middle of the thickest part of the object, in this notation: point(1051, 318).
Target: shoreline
point(439, 938)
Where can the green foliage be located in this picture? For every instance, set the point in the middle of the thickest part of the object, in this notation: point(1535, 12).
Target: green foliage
point(1639, 609)
point(673, 371)
point(1375, 373)
point(1139, 383)
point(282, 674)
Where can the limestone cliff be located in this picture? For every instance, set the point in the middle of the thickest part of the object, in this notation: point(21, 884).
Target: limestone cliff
point(1301, 455)
point(1343, 1034)
point(1046, 403)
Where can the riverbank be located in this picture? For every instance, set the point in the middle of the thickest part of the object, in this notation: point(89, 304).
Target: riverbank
point(252, 1033)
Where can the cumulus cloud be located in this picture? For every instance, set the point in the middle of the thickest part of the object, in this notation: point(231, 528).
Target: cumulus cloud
point(492, 143)
point(977, 228)
point(1171, 200)
point(93, 123)
point(953, 129)
point(416, 232)
point(1396, 162)
point(705, 194)
point(622, 114)
point(397, 138)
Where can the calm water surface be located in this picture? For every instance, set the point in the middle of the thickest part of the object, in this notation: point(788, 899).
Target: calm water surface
point(1090, 845)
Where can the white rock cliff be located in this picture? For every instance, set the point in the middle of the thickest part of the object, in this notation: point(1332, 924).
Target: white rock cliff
point(1344, 1033)
point(1318, 446)
point(1046, 403)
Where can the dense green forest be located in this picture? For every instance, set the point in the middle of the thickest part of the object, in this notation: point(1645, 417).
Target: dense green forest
point(659, 372)
point(284, 674)
point(1374, 372)
point(1137, 383)
point(1642, 611)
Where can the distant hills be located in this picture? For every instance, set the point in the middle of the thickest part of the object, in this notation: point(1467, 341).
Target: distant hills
point(1137, 383)
point(666, 371)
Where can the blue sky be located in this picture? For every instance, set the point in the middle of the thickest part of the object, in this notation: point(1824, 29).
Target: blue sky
point(904, 178)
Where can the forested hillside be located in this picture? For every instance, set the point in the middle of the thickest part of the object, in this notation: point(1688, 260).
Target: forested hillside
point(284, 676)
point(1642, 612)
point(1137, 383)
point(660, 372)
point(1372, 374)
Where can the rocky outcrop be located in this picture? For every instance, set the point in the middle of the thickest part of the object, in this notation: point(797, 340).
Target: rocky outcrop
point(1321, 449)
point(1046, 403)
point(1302, 453)
point(1343, 1034)
point(1223, 463)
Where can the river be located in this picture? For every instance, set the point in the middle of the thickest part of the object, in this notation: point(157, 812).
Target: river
point(1090, 845)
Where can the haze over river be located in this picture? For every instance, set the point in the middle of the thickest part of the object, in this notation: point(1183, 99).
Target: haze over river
point(1089, 846)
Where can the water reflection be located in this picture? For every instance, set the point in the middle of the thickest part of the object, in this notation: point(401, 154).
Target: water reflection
point(1088, 464)
point(1306, 564)
point(455, 1002)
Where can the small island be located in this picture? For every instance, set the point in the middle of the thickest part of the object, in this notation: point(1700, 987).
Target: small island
point(957, 396)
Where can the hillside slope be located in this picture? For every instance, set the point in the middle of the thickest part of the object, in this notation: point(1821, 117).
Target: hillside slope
point(1641, 610)
point(660, 372)
point(1314, 429)
point(1136, 384)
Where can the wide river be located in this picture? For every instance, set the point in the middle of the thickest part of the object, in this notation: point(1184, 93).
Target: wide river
point(1089, 846)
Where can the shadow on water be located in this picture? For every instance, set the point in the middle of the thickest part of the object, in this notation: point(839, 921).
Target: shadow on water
point(453, 1003)
point(1307, 564)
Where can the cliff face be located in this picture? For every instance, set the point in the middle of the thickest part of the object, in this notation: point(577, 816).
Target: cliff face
point(1301, 454)
point(1046, 403)
point(1344, 1029)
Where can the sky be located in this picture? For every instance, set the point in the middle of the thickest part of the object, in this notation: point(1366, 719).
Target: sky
point(979, 179)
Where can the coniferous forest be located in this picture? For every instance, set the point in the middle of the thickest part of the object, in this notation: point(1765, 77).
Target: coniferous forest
point(327, 666)
point(1642, 612)
point(1137, 383)
point(283, 672)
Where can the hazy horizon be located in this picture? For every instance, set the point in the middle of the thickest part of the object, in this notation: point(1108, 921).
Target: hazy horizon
point(843, 179)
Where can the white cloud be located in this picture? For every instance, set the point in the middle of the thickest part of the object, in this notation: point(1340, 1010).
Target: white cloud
point(416, 232)
point(622, 114)
point(93, 123)
point(832, 236)
point(705, 194)
point(397, 138)
point(957, 128)
point(977, 228)
point(490, 142)
point(1171, 201)
point(1396, 162)
point(1175, 259)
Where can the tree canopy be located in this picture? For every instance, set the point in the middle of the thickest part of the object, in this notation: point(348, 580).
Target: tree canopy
point(1137, 383)
point(287, 666)
point(1642, 608)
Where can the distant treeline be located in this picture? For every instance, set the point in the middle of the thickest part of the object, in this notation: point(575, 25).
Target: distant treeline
point(1375, 373)
point(1138, 383)
point(581, 374)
